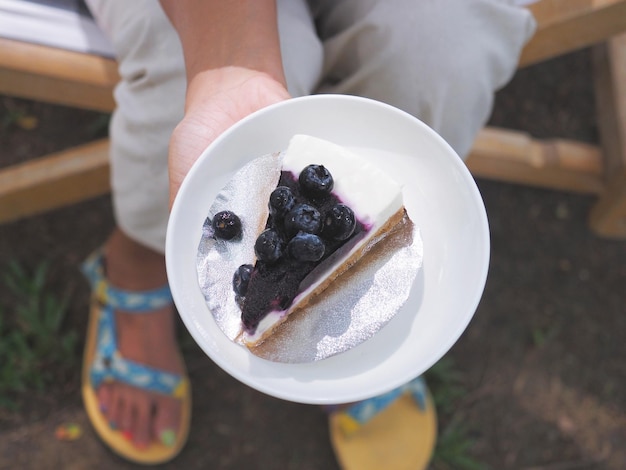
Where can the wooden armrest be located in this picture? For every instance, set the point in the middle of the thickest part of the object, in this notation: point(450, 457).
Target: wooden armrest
point(54, 181)
point(58, 63)
point(567, 25)
point(57, 76)
point(516, 157)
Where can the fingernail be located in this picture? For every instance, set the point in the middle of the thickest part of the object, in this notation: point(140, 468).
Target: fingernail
point(168, 437)
point(127, 435)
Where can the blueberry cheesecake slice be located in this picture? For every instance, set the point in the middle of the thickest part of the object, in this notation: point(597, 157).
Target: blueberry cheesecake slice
point(330, 206)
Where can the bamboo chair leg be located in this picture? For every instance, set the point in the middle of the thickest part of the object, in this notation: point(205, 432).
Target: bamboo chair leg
point(608, 216)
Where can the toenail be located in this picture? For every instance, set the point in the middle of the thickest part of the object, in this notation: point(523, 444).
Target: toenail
point(168, 437)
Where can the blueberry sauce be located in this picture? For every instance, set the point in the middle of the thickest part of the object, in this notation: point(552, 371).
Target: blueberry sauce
point(273, 285)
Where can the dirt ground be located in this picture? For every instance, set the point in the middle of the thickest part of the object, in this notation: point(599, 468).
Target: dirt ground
point(542, 363)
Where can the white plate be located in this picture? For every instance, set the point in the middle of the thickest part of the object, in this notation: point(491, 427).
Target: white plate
point(441, 198)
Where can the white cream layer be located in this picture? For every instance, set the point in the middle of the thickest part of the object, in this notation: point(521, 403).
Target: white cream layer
point(370, 192)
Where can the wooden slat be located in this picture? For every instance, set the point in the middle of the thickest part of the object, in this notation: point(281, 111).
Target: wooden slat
point(515, 157)
point(56, 91)
point(567, 25)
point(58, 63)
point(54, 181)
point(608, 216)
point(57, 76)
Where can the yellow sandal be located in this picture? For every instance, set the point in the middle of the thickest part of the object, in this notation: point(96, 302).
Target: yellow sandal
point(102, 362)
point(394, 431)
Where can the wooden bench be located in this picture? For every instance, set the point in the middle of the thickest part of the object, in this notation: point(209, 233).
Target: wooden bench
point(515, 157)
point(60, 77)
point(86, 81)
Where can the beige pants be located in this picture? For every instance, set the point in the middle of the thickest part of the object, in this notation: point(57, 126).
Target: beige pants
point(440, 60)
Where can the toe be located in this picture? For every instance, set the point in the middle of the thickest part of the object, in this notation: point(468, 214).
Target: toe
point(116, 410)
point(141, 431)
point(167, 420)
point(125, 419)
point(104, 398)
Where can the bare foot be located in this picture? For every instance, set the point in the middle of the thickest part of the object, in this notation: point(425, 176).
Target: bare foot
point(146, 338)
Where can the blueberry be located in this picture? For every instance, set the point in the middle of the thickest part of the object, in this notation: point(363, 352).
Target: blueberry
point(339, 222)
point(316, 180)
point(282, 201)
point(268, 246)
point(306, 247)
point(241, 278)
point(226, 225)
point(303, 217)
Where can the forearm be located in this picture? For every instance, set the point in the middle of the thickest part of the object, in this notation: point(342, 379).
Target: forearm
point(227, 33)
point(234, 68)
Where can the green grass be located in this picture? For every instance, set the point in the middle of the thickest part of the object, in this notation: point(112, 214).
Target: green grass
point(453, 450)
point(35, 347)
point(454, 445)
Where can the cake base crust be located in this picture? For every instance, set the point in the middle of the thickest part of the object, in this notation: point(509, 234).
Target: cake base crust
point(384, 231)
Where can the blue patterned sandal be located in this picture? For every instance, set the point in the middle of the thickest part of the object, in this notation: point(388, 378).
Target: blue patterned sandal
point(397, 430)
point(103, 362)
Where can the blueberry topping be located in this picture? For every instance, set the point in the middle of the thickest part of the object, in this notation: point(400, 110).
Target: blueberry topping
point(268, 246)
point(251, 319)
point(303, 218)
point(282, 201)
point(307, 224)
point(316, 180)
point(241, 278)
point(339, 222)
point(226, 225)
point(306, 247)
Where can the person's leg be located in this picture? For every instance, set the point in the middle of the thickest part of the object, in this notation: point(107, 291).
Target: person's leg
point(147, 339)
point(151, 67)
point(150, 100)
point(440, 60)
point(300, 46)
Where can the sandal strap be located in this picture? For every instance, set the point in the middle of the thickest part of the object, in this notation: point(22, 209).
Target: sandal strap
point(108, 363)
point(106, 294)
point(142, 377)
point(358, 414)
